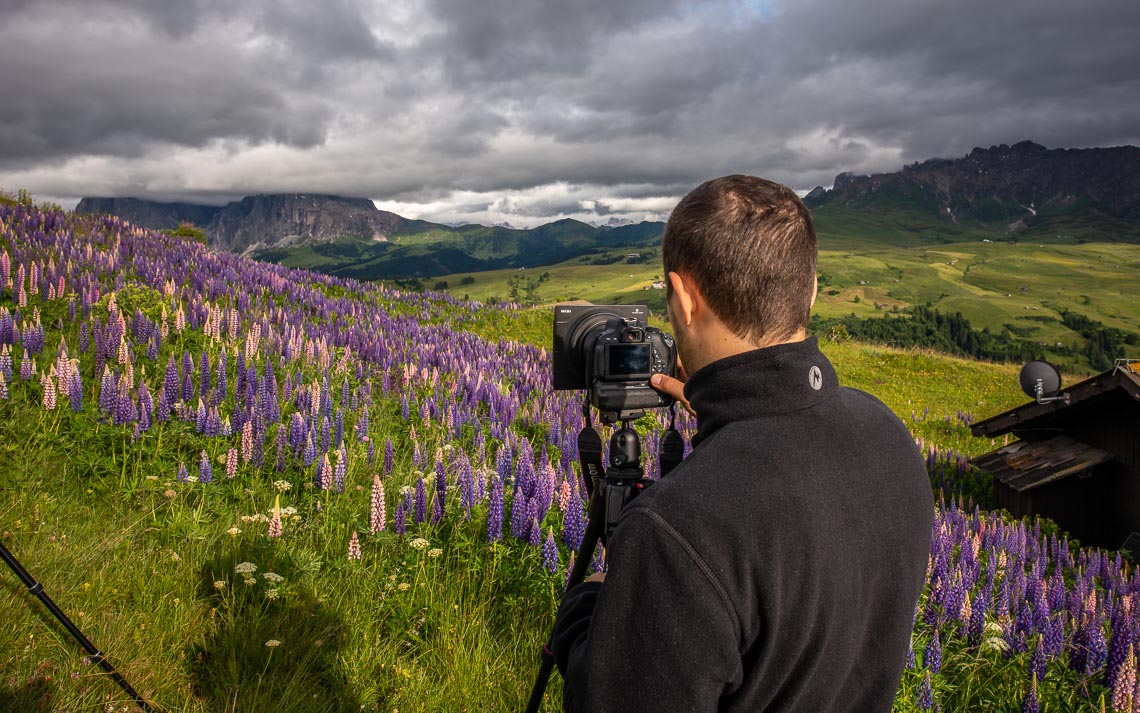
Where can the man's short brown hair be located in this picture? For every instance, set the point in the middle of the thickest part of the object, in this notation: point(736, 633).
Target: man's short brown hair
point(750, 246)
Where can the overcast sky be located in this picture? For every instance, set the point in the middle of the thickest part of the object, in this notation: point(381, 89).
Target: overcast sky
point(529, 110)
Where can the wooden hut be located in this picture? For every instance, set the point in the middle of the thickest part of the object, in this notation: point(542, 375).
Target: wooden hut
point(1076, 463)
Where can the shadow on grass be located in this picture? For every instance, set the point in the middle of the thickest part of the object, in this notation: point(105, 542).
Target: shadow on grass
point(234, 669)
point(33, 696)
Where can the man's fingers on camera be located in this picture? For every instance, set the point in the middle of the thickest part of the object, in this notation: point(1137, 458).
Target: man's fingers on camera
point(671, 387)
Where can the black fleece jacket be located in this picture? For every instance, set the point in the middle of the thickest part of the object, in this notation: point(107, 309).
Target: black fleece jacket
point(776, 569)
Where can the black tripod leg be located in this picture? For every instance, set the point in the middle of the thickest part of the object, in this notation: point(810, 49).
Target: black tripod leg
point(96, 655)
point(594, 529)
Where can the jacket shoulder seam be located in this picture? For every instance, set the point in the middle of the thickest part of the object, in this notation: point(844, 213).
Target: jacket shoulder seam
point(691, 551)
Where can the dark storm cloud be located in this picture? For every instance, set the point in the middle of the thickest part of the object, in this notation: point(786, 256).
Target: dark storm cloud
point(117, 78)
point(555, 104)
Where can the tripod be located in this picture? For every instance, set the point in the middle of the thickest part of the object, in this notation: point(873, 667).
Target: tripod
point(610, 491)
point(96, 655)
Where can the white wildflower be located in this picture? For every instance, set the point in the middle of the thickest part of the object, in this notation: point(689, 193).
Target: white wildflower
point(273, 643)
point(220, 584)
point(282, 485)
point(271, 594)
point(233, 531)
point(419, 543)
point(245, 568)
point(273, 577)
point(435, 552)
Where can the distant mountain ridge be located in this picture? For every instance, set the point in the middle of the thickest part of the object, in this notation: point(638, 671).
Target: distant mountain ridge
point(1003, 188)
point(352, 238)
point(264, 221)
point(1023, 191)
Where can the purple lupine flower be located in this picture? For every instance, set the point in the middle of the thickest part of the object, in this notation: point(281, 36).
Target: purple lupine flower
point(550, 553)
point(310, 454)
point(362, 426)
point(123, 409)
point(1119, 646)
point(519, 509)
point(910, 655)
point(205, 472)
point(221, 380)
point(377, 513)
point(170, 381)
point(574, 525)
point(162, 407)
point(925, 695)
point(569, 571)
point(1097, 646)
point(436, 511)
point(297, 433)
point(420, 512)
point(200, 419)
point(495, 511)
point(598, 564)
point(25, 367)
point(466, 487)
point(340, 470)
point(932, 658)
point(204, 375)
point(1054, 638)
point(440, 482)
point(1030, 704)
point(146, 405)
point(370, 452)
point(183, 475)
point(75, 391)
point(1037, 661)
point(389, 456)
point(400, 525)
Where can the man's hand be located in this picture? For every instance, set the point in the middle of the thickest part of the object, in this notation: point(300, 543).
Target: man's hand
point(672, 387)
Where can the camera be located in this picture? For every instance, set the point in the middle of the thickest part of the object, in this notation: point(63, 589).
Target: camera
point(611, 351)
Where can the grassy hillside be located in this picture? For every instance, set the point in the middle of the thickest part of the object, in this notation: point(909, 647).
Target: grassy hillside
point(432, 251)
point(260, 489)
point(1019, 287)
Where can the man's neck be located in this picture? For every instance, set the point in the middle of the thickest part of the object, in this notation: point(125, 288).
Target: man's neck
point(720, 343)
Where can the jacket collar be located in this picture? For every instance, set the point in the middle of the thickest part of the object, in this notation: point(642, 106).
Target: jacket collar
point(772, 380)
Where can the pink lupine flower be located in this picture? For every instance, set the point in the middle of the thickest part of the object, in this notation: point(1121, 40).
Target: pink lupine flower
point(378, 514)
point(354, 547)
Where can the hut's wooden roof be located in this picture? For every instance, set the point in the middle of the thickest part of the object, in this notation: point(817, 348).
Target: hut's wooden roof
point(1024, 465)
point(1121, 384)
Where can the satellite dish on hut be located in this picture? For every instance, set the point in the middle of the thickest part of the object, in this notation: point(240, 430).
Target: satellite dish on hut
point(1042, 381)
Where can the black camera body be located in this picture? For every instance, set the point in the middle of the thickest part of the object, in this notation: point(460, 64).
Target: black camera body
point(611, 351)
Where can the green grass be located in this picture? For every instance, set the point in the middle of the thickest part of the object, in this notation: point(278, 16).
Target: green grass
point(994, 285)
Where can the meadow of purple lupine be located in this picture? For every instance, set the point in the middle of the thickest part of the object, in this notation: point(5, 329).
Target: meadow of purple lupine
point(218, 372)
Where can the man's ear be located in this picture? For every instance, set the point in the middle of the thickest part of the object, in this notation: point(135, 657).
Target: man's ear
point(687, 296)
point(814, 290)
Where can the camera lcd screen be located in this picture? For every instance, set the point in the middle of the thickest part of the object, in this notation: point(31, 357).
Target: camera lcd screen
point(628, 360)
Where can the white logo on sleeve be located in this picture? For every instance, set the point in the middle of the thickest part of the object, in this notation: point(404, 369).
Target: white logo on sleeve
point(815, 378)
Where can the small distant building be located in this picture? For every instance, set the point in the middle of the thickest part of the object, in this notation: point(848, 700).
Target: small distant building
point(659, 285)
point(1076, 463)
